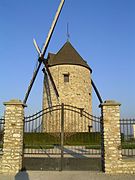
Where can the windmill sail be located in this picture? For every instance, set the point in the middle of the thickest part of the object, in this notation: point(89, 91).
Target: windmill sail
point(47, 89)
point(51, 79)
point(96, 91)
point(44, 50)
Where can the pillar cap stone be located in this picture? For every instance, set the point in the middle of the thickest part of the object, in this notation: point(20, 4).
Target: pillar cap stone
point(15, 102)
point(110, 103)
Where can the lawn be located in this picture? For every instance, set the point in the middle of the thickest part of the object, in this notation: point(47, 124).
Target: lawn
point(49, 140)
point(55, 138)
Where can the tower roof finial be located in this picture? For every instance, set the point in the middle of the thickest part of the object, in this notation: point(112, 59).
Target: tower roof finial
point(68, 35)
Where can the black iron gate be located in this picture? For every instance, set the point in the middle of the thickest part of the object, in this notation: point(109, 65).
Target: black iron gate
point(2, 120)
point(62, 138)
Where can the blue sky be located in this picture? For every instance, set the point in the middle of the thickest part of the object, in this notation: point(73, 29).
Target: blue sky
point(102, 31)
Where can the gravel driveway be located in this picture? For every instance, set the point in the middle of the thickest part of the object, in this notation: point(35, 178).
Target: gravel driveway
point(66, 175)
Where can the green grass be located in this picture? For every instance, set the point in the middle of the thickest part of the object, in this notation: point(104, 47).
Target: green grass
point(83, 138)
point(49, 140)
point(43, 139)
point(128, 145)
point(39, 147)
point(79, 138)
point(124, 146)
point(40, 139)
point(93, 147)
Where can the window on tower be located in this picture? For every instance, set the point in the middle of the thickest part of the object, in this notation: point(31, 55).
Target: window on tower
point(66, 77)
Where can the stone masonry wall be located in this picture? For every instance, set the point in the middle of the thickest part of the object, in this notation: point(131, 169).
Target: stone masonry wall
point(111, 136)
point(76, 92)
point(13, 137)
point(111, 147)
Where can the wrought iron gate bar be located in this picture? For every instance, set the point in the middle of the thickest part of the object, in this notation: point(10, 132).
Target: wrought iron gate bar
point(47, 110)
point(78, 135)
point(2, 121)
point(88, 116)
point(67, 107)
point(41, 113)
point(127, 127)
point(63, 133)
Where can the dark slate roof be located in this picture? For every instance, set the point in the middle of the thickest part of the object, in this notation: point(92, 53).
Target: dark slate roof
point(67, 55)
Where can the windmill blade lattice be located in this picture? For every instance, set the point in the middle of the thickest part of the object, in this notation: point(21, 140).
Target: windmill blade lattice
point(42, 54)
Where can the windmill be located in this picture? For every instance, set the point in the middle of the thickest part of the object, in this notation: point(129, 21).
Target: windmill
point(47, 74)
point(41, 59)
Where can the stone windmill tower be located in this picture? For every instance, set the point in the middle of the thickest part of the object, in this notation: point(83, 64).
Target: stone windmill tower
point(72, 77)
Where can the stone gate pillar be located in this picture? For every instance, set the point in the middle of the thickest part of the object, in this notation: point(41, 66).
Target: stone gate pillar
point(13, 137)
point(111, 147)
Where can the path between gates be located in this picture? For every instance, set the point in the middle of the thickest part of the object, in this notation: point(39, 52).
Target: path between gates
point(65, 175)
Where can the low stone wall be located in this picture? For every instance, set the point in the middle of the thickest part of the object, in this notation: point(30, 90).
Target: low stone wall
point(123, 167)
point(111, 141)
point(127, 166)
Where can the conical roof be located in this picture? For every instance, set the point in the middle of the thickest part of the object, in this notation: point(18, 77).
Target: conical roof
point(67, 55)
